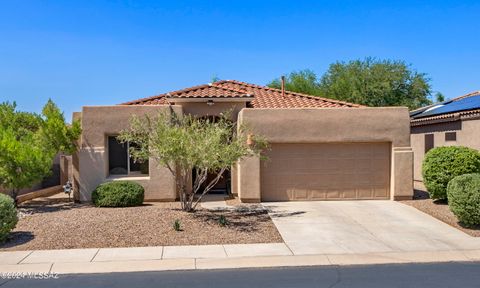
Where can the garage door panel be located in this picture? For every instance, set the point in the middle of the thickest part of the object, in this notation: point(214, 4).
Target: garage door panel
point(381, 192)
point(326, 171)
point(349, 194)
point(318, 194)
point(365, 193)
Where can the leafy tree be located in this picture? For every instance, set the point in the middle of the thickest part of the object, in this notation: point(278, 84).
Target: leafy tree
point(29, 142)
point(303, 81)
point(185, 144)
point(369, 82)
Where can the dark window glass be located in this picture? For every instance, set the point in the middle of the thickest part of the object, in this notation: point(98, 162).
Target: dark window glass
point(429, 142)
point(117, 157)
point(450, 136)
point(138, 167)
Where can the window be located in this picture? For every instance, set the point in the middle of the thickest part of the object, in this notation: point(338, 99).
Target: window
point(429, 142)
point(450, 136)
point(119, 160)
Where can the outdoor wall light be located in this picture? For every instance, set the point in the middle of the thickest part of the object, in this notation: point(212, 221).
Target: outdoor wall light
point(210, 102)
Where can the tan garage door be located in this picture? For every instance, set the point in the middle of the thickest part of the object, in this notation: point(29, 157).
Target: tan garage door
point(338, 171)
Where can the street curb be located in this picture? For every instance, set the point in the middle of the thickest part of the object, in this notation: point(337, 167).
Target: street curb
point(245, 262)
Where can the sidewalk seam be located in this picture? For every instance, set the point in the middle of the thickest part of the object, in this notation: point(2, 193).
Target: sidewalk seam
point(50, 270)
point(25, 257)
point(288, 247)
point(328, 259)
point(225, 250)
point(95, 255)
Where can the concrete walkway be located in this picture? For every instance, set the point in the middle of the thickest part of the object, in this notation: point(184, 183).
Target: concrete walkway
point(108, 260)
point(359, 227)
point(214, 202)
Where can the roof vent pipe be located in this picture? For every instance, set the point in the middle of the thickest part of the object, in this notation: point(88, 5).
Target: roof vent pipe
point(283, 86)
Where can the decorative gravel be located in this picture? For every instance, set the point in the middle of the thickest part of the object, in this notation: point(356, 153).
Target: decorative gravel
point(439, 210)
point(56, 224)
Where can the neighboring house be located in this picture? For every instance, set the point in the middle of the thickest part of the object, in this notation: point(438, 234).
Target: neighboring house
point(320, 149)
point(453, 122)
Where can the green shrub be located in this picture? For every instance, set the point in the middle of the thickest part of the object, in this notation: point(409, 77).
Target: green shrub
point(442, 164)
point(8, 216)
point(118, 194)
point(464, 198)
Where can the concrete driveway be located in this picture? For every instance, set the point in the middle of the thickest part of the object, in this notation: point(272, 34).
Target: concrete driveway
point(338, 227)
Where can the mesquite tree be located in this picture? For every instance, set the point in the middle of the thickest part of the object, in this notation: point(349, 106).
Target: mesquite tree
point(185, 144)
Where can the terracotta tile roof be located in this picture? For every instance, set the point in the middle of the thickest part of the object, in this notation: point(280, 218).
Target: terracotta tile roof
point(266, 97)
point(209, 91)
point(201, 91)
point(261, 96)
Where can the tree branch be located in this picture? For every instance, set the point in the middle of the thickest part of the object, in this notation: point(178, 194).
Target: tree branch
point(209, 186)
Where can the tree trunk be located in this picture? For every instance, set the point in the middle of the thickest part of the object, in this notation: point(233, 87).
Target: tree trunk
point(14, 194)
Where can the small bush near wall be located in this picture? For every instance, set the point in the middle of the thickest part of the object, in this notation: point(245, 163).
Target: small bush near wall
point(118, 194)
point(464, 198)
point(442, 164)
point(8, 216)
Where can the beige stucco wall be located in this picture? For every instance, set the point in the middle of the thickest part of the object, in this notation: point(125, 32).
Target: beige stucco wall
point(468, 134)
point(92, 158)
point(329, 126)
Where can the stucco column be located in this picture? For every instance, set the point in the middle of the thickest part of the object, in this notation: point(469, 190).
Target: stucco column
point(76, 176)
point(402, 174)
point(92, 171)
point(248, 179)
point(76, 116)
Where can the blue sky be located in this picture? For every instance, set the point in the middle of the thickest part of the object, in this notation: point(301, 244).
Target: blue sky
point(82, 53)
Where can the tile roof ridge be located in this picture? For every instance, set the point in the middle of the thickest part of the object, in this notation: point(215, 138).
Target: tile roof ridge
point(293, 93)
point(215, 84)
point(140, 100)
point(196, 87)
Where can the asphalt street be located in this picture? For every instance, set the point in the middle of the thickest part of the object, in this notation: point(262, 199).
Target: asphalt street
point(404, 275)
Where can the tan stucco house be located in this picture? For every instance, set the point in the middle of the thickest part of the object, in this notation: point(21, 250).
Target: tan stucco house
point(321, 149)
point(453, 122)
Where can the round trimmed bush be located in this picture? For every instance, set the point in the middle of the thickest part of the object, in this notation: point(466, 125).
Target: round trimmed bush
point(118, 194)
point(442, 164)
point(464, 198)
point(8, 216)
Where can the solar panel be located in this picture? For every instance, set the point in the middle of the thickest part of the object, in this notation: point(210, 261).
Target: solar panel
point(468, 103)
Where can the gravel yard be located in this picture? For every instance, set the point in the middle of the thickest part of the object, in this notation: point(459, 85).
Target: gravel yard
point(57, 224)
point(439, 210)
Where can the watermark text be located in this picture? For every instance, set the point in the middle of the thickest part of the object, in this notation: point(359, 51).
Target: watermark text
point(28, 275)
